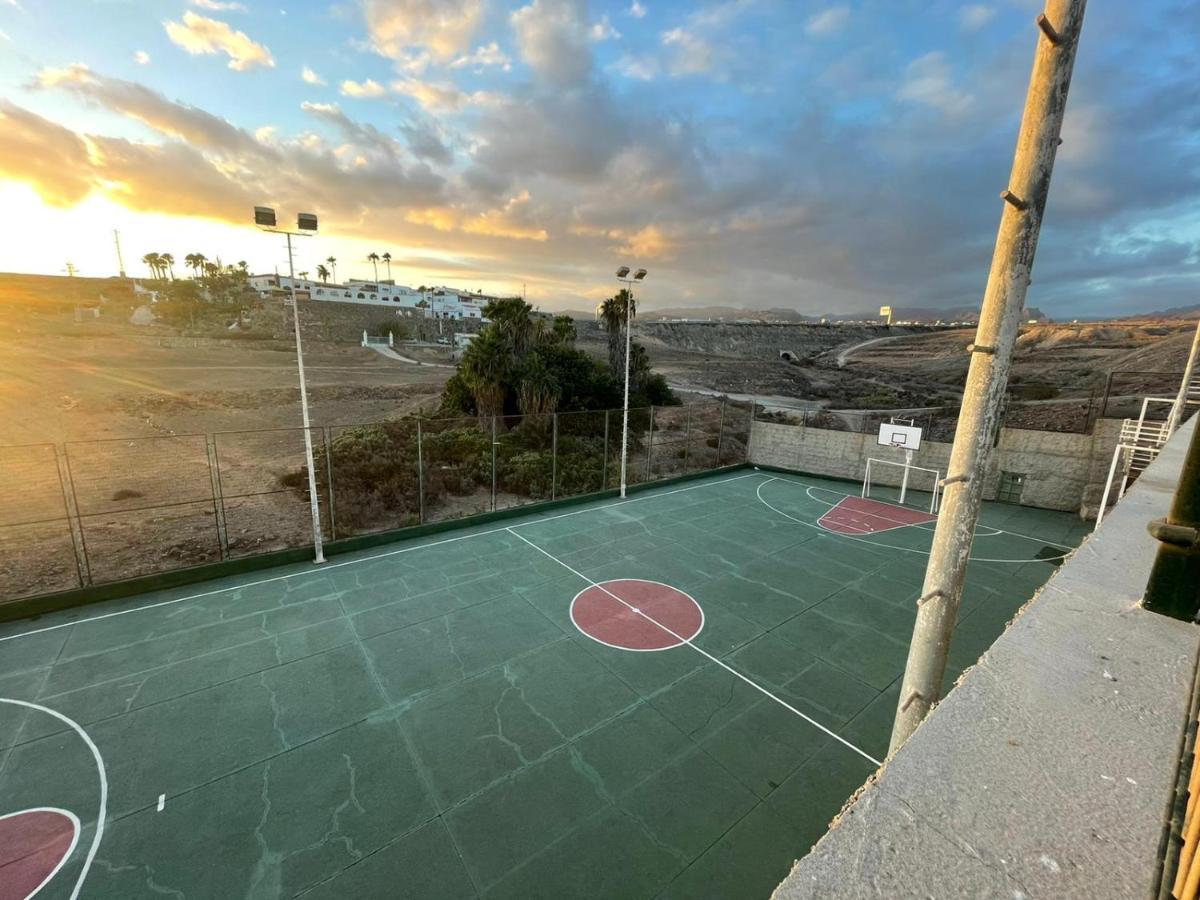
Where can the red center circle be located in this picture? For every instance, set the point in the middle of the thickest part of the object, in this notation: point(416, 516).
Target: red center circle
point(634, 614)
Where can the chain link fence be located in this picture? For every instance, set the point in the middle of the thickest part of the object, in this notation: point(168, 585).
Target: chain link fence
point(90, 512)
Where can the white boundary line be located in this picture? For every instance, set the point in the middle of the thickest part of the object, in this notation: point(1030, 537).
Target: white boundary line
point(706, 654)
point(352, 562)
point(100, 770)
point(571, 613)
point(66, 813)
point(848, 537)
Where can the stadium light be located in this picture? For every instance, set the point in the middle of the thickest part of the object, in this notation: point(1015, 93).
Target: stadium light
point(306, 226)
point(623, 276)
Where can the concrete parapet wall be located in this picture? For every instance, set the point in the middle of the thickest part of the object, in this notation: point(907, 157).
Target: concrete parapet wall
point(1062, 471)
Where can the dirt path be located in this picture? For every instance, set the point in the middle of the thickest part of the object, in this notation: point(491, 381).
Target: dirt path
point(845, 354)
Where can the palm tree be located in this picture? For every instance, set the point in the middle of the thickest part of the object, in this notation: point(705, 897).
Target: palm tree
point(211, 269)
point(612, 314)
point(374, 259)
point(153, 262)
point(168, 262)
point(333, 265)
point(387, 258)
point(563, 331)
point(539, 390)
point(322, 273)
point(486, 365)
point(510, 317)
point(303, 276)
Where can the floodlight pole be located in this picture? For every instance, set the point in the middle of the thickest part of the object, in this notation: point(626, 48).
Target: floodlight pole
point(1008, 281)
point(625, 405)
point(318, 542)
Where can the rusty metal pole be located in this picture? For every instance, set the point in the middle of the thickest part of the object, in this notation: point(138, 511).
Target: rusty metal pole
point(1016, 243)
point(1173, 588)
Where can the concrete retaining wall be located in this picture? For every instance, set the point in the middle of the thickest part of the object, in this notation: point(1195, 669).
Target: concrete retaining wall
point(1062, 471)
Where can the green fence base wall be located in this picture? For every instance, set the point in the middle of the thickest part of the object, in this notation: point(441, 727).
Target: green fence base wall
point(32, 607)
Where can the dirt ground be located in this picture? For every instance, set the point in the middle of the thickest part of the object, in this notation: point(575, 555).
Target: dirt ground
point(1067, 363)
point(79, 387)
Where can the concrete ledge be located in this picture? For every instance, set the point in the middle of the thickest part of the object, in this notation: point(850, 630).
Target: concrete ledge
point(1050, 770)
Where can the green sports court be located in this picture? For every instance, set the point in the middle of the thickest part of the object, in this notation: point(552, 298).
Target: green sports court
point(667, 696)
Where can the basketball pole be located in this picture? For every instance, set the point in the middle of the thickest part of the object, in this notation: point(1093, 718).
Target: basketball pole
point(904, 480)
point(991, 356)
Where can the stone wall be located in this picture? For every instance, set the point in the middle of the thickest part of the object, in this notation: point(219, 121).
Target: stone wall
point(1062, 471)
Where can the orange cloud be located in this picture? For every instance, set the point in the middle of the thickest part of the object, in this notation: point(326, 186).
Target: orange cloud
point(201, 35)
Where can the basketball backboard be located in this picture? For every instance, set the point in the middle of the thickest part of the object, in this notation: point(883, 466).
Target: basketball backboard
point(904, 437)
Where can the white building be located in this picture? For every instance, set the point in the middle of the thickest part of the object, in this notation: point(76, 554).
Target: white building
point(437, 303)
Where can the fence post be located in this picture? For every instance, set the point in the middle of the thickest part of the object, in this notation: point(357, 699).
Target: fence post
point(721, 433)
point(650, 442)
point(494, 442)
point(687, 440)
point(73, 523)
point(750, 426)
point(554, 457)
point(604, 456)
point(218, 498)
point(420, 476)
point(991, 357)
point(329, 481)
point(65, 473)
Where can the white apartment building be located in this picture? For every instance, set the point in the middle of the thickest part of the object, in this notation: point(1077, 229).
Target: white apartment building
point(437, 303)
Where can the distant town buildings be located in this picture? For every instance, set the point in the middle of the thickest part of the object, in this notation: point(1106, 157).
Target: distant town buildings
point(434, 302)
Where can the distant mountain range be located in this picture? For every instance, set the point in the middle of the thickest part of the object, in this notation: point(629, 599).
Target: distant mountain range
point(1175, 312)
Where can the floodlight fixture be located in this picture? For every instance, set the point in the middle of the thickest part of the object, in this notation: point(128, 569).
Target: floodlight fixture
point(264, 216)
point(623, 271)
point(306, 222)
point(639, 274)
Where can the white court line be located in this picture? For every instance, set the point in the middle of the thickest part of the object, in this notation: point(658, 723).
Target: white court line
point(848, 537)
point(103, 813)
point(351, 562)
point(705, 653)
point(579, 628)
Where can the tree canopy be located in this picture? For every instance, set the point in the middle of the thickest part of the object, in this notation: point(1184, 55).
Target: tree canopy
point(523, 363)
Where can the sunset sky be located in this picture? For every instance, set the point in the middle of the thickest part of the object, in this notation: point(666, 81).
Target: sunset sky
point(758, 153)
